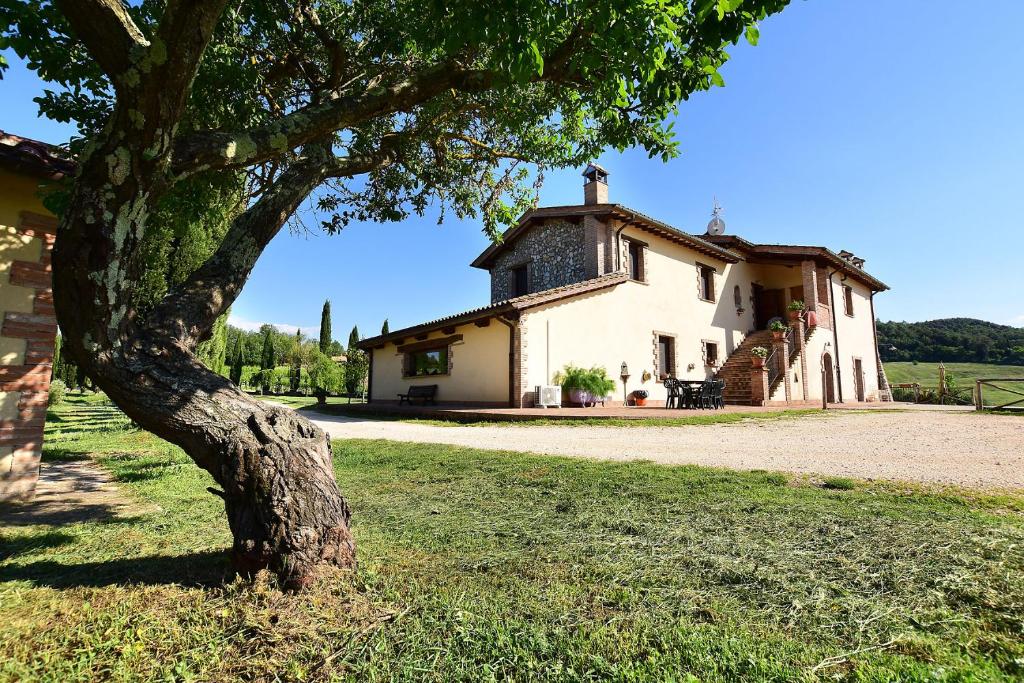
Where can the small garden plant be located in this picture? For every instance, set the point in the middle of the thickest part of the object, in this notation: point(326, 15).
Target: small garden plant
point(759, 352)
point(594, 381)
point(777, 326)
point(796, 305)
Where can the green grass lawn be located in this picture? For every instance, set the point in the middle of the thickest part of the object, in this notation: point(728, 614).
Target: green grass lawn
point(307, 402)
point(478, 565)
point(927, 375)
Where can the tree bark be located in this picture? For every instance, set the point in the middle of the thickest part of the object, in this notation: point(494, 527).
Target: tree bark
point(273, 467)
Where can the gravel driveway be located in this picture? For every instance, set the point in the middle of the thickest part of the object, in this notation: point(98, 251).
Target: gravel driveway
point(968, 449)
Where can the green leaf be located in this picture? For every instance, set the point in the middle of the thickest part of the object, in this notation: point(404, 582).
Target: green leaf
point(753, 34)
point(726, 6)
point(716, 79)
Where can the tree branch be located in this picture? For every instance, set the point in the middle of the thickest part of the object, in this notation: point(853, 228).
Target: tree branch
point(215, 150)
point(107, 31)
point(190, 309)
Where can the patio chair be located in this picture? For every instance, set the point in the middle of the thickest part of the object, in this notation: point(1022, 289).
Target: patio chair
point(719, 399)
point(673, 387)
point(705, 399)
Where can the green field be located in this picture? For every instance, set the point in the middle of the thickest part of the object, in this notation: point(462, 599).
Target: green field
point(482, 565)
point(964, 374)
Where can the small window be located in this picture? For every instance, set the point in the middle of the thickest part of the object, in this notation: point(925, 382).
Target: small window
point(737, 297)
point(707, 282)
point(848, 299)
point(427, 362)
point(666, 357)
point(710, 353)
point(520, 281)
point(636, 261)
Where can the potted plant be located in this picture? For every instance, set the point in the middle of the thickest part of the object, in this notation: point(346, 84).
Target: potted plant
point(758, 355)
point(778, 329)
point(640, 397)
point(583, 386)
point(796, 309)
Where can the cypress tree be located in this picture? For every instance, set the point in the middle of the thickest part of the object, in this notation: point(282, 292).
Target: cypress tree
point(353, 337)
point(325, 328)
point(297, 362)
point(267, 361)
point(384, 327)
point(237, 362)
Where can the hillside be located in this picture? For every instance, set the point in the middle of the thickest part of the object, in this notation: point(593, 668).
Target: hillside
point(962, 340)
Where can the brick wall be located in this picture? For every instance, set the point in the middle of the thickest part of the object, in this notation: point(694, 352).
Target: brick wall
point(26, 349)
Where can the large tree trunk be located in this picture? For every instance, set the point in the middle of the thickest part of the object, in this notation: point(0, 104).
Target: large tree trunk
point(273, 466)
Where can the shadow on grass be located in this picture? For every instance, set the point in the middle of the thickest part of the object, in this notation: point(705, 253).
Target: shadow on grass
point(207, 568)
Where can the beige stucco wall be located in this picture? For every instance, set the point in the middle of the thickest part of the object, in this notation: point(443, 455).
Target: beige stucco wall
point(856, 339)
point(479, 367)
point(608, 327)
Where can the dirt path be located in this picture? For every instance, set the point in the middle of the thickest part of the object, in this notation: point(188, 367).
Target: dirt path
point(967, 449)
point(72, 491)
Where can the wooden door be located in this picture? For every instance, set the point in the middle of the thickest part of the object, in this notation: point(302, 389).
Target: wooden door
point(770, 303)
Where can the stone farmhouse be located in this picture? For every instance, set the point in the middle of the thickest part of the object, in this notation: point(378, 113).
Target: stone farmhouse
point(601, 284)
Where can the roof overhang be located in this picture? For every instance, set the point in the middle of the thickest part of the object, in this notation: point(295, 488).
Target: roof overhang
point(792, 254)
point(619, 212)
point(34, 158)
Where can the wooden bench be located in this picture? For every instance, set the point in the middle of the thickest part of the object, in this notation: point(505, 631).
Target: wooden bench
point(424, 392)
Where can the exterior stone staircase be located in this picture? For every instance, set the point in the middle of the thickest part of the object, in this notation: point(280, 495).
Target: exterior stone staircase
point(736, 369)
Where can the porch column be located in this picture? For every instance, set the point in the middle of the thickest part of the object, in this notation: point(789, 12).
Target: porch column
point(781, 348)
point(798, 327)
point(809, 275)
point(759, 389)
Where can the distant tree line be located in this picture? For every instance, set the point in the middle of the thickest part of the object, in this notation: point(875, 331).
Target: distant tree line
point(961, 340)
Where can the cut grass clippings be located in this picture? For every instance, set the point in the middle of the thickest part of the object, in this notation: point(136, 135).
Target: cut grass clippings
point(481, 565)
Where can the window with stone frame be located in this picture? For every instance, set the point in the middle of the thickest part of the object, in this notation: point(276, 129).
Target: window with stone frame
point(710, 352)
point(848, 299)
point(635, 260)
point(664, 355)
point(705, 282)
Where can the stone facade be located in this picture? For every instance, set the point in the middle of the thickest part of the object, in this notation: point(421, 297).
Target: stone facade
point(553, 254)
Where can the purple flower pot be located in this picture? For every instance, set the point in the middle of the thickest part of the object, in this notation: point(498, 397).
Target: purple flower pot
point(583, 398)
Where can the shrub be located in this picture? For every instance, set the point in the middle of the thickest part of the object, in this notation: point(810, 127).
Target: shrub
point(58, 391)
point(594, 381)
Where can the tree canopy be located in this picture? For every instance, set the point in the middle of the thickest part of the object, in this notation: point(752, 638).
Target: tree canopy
point(964, 340)
point(383, 107)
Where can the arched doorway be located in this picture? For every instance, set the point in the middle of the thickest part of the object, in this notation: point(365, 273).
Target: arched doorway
point(828, 378)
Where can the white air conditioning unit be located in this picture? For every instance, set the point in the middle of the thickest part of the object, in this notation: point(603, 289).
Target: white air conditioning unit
point(549, 396)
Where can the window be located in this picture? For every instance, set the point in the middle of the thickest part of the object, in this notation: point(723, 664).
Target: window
point(710, 353)
point(737, 298)
point(706, 275)
point(427, 362)
point(520, 281)
point(666, 357)
point(636, 261)
point(848, 299)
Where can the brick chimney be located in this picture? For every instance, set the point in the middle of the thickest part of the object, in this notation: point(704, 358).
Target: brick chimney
point(595, 188)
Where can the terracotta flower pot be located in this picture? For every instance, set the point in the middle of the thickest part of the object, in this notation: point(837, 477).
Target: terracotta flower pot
point(795, 315)
point(777, 335)
point(640, 401)
point(757, 361)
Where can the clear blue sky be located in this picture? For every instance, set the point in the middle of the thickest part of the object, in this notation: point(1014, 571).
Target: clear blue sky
point(892, 129)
